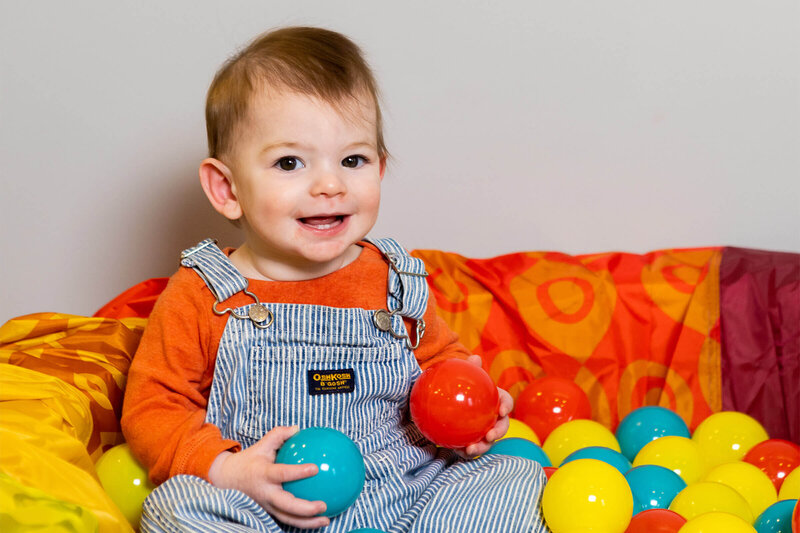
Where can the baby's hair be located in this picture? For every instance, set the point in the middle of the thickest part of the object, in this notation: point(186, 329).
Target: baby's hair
point(312, 61)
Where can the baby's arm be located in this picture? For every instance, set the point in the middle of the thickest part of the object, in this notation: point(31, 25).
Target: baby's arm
point(254, 472)
point(166, 394)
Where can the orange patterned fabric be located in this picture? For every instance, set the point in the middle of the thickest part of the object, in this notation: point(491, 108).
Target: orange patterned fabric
point(631, 330)
point(91, 354)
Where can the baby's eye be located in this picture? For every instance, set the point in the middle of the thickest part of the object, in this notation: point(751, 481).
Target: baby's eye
point(289, 163)
point(354, 161)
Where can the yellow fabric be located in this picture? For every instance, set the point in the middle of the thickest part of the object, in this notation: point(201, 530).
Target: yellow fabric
point(28, 510)
point(91, 354)
point(49, 481)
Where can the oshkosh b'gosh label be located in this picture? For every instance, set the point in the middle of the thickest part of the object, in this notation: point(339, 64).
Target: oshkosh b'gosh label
point(331, 381)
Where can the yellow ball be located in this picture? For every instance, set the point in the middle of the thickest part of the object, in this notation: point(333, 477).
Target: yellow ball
point(587, 495)
point(727, 436)
point(521, 430)
point(574, 435)
point(717, 522)
point(706, 496)
point(749, 481)
point(679, 454)
point(790, 489)
point(125, 481)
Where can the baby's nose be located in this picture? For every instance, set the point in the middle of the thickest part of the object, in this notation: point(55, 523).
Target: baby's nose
point(328, 184)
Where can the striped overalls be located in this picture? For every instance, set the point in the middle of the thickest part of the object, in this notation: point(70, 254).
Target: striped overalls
point(261, 380)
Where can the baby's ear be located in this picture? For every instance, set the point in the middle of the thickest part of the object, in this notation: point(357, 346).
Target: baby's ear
point(216, 180)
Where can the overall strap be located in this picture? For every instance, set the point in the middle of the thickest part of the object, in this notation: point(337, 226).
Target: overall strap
point(215, 268)
point(408, 290)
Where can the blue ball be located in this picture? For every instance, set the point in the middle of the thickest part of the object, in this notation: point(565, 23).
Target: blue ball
point(341, 467)
point(653, 487)
point(646, 424)
point(520, 448)
point(777, 518)
point(601, 453)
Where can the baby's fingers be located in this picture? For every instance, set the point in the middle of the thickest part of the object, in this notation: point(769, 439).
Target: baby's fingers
point(285, 502)
point(281, 473)
point(298, 521)
point(500, 428)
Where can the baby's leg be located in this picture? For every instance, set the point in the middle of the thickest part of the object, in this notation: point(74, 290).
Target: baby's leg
point(494, 493)
point(188, 503)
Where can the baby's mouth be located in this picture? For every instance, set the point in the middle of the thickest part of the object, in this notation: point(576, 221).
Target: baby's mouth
point(323, 222)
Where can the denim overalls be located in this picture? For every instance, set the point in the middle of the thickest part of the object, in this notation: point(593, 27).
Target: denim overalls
point(266, 358)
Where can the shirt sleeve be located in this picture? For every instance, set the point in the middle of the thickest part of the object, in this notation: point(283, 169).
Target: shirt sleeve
point(439, 342)
point(166, 396)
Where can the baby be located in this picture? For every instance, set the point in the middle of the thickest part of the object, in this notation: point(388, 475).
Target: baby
point(222, 376)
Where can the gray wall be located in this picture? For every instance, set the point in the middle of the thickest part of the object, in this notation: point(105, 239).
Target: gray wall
point(519, 125)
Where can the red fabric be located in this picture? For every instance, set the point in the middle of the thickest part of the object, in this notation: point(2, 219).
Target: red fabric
point(138, 301)
point(760, 329)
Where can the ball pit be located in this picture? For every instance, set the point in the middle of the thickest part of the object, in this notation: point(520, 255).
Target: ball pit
point(776, 458)
point(679, 454)
point(574, 435)
point(646, 424)
point(727, 436)
point(587, 495)
point(749, 481)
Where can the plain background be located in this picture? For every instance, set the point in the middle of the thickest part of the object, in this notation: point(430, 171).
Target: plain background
point(520, 125)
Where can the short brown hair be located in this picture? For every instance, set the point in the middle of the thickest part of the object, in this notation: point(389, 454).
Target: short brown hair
point(312, 61)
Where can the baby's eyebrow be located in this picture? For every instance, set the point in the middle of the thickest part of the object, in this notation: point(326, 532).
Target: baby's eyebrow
point(273, 146)
point(360, 144)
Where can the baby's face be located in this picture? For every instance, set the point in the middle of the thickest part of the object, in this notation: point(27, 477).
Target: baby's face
point(307, 176)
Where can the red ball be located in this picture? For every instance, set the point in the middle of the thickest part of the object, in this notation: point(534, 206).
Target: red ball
point(776, 458)
point(454, 403)
point(656, 521)
point(550, 401)
point(796, 518)
point(548, 470)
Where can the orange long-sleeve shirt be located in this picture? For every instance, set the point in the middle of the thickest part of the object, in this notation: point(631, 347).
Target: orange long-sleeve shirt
point(163, 417)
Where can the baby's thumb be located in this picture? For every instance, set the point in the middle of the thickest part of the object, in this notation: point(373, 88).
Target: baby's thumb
point(274, 439)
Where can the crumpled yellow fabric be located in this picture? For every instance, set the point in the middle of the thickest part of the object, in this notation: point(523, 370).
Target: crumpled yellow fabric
point(49, 481)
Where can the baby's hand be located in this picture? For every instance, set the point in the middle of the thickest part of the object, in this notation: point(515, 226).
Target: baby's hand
point(254, 472)
point(500, 428)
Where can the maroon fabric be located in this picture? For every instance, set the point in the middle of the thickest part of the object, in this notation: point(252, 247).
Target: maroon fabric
point(760, 331)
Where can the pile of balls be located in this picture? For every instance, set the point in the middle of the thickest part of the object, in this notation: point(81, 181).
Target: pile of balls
point(653, 475)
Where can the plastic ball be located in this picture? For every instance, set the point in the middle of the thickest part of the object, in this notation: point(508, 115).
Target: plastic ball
point(125, 481)
point(645, 424)
point(520, 448)
point(341, 467)
point(454, 403)
point(574, 435)
point(587, 495)
point(653, 487)
point(656, 521)
point(717, 522)
point(706, 496)
point(777, 518)
point(679, 454)
point(521, 430)
point(790, 490)
point(548, 402)
point(549, 470)
point(727, 436)
point(776, 458)
point(746, 479)
point(796, 518)
point(601, 453)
